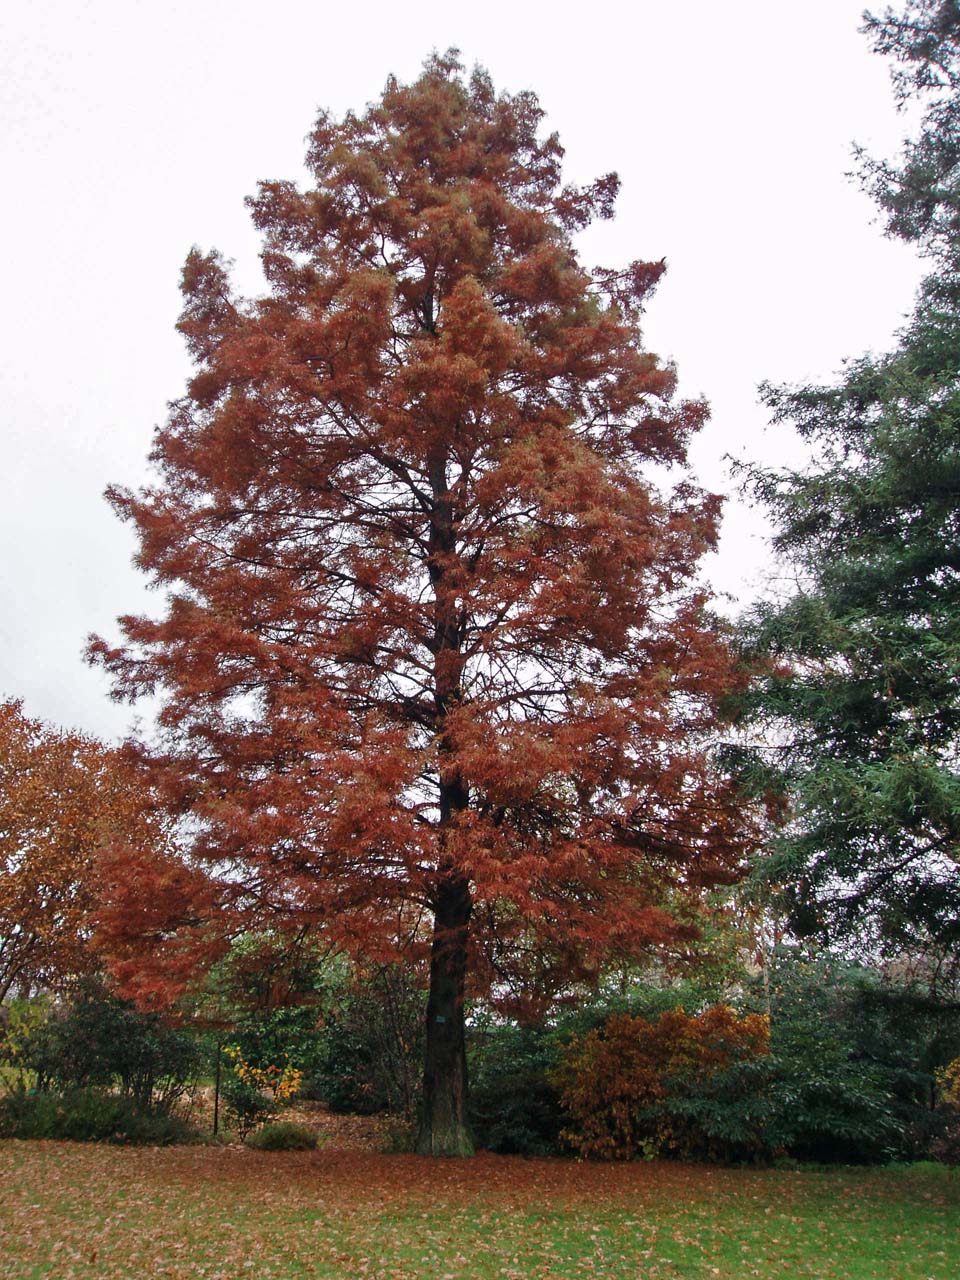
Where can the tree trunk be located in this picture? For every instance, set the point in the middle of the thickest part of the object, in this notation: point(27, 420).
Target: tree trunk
point(443, 1126)
point(444, 1130)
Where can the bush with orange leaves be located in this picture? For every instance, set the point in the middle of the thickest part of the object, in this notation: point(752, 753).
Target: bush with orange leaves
point(685, 1085)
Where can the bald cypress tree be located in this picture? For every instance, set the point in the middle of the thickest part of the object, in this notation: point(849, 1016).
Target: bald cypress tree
point(436, 671)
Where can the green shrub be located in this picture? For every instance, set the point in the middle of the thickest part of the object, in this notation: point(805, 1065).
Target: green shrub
point(244, 1105)
point(514, 1105)
point(369, 1049)
point(851, 1078)
point(87, 1115)
point(99, 1071)
point(283, 1135)
point(30, 1115)
point(96, 1041)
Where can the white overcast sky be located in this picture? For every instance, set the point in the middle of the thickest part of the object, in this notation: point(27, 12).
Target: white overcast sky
point(132, 129)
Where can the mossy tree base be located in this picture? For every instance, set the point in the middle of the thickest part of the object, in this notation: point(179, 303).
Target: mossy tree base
point(451, 1140)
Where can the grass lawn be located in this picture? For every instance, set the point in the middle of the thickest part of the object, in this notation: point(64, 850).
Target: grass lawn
point(80, 1212)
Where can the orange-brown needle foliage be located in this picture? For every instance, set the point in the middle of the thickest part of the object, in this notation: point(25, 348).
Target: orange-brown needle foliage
point(433, 649)
point(63, 798)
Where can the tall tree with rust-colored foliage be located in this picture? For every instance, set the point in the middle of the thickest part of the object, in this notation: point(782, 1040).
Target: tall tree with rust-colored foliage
point(433, 660)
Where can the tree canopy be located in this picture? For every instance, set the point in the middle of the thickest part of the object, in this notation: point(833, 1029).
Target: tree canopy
point(862, 704)
point(434, 663)
point(63, 798)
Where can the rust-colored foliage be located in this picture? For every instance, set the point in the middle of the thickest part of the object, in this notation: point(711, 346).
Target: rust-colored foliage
point(615, 1079)
point(63, 798)
point(433, 655)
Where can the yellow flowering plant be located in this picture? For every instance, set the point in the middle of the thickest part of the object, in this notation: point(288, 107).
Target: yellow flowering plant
point(251, 1093)
point(282, 1084)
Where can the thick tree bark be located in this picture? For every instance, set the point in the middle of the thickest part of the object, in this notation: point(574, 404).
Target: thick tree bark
point(444, 1130)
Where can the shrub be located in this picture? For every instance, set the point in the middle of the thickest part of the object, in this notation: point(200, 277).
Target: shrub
point(251, 1094)
point(244, 1105)
point(286, 1036)
point(948, 1085)
point(945, 1146)
point(683, 1085)
point(514, 1104)
point(850, 1079)
point(369, 1049)
point(30, 1115)
point(281, 1084)
point(98, 1041)
point(87, 1115)
point(283, 1136)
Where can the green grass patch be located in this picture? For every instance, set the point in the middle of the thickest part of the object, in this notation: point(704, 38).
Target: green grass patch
point(93, 1213)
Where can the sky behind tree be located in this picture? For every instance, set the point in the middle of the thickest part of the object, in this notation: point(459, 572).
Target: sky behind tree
point(132, 131)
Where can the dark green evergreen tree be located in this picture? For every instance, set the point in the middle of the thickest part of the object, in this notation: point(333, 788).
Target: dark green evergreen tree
point(860, 710)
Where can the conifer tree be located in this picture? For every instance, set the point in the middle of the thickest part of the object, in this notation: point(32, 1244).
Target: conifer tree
point(434, 665)
point(863, 702)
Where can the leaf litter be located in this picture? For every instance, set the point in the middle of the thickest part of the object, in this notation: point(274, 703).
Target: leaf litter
point(86, 1212)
